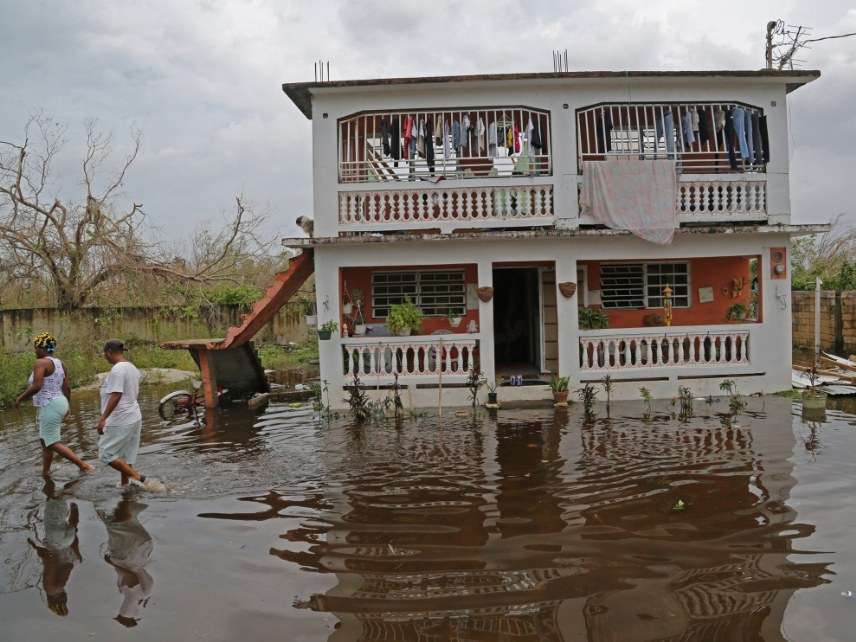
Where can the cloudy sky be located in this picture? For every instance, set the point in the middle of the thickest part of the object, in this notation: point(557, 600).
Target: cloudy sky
point(202, 79)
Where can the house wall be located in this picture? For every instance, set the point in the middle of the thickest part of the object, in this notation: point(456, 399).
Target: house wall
point(769, 370)
point(560, 98)
point(361, 278)
point(715, 272)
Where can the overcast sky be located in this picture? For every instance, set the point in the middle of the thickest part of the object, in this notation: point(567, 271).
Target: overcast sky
point(202, 79)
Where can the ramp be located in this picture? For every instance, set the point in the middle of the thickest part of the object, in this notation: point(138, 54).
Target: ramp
point(231, 362)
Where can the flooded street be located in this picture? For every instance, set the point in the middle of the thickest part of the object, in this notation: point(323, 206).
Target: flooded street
point(528, 525)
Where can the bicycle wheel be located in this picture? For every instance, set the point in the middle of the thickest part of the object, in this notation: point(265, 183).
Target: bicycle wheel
point(178, 403)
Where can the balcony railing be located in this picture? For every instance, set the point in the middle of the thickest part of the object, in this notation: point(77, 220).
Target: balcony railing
point(720, 199)
point(446, 208)
point(452, 143)
point(703, 137)
point(422, 358)
point(616, 350)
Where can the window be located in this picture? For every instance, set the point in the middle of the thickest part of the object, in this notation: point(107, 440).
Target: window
point(640, 285)
point(436, 293)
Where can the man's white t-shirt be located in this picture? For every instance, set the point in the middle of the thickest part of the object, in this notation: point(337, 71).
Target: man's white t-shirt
point(125, 378)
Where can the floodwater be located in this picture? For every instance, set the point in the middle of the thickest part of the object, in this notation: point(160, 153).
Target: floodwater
point(528, 525)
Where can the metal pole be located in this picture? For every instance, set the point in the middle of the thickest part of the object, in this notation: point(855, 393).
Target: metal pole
point(817, 285)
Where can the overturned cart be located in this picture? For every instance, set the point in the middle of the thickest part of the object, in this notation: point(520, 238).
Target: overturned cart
point(231, 362)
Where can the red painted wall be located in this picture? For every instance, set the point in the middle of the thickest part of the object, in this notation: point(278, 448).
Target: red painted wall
point(361, 278)
point(716, 272)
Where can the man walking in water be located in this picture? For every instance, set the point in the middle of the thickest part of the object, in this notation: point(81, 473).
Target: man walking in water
point(50, 391)
point(121, 420)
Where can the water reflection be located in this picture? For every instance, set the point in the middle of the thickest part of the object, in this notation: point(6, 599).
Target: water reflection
point(545, 529)
point(57, 547)
point(129, 549)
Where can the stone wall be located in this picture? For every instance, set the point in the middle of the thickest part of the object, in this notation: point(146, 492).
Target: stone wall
point(837, 321)
point(143, 324)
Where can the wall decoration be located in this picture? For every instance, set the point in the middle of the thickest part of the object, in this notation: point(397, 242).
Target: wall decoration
point(567, 288)
point(485, 293)
point(778, 263)
point(705, 295)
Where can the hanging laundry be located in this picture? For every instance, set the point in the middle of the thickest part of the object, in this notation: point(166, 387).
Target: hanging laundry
point(429, 144)
point(447, 139)
point(420, 138)
point(728, 138)
point(516, 138)
point(738, 120)
point(395, 137)
point(457, 139)
point(384, 136)
point(509, 139)
point(491, 139)
point(465, 130)
point(694, 115)
point(687, 126)
point(536, 135)
point(757, 145)
point(408, 136)
point(704, 126)
point(480, 132)
point(765, 139)
point(719, 118)
point(664, 127)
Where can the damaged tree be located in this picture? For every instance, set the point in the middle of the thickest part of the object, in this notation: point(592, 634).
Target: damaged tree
point(75, 246)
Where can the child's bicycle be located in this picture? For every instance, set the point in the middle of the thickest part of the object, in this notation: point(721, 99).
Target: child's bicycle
point(186, 403)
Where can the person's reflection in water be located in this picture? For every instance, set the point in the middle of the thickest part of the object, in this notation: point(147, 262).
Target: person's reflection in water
point(58, 548)
point(129, 548)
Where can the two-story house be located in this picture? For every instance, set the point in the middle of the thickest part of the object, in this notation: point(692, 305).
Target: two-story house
point(583, 224)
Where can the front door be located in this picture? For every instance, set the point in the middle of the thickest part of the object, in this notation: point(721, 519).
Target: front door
point(517, 321)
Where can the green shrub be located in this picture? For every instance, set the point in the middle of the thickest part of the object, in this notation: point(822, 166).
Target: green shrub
point(593, 319)
point(404, 316)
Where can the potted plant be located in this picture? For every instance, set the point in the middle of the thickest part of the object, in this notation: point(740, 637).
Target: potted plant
point(309, 313)
point(560, 390)
point(404, 319)
point(736, 312)
point(454, 320)
point(327, 330)
point(492, 399)
point(593, 319)
point(812, 397)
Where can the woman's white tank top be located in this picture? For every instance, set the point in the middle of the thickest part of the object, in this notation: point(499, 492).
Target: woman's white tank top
point(51, 386)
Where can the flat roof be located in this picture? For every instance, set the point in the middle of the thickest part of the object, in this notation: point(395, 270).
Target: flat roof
point(801, 229)
point(301, 92)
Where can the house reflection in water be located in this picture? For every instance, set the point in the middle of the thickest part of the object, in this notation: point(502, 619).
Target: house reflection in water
point(539, 528)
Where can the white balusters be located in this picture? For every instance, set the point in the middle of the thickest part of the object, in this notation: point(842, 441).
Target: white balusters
point(423, 358)
point(650, 350)
point(721, 199)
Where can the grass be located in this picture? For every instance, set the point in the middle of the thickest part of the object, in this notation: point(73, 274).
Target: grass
point(83, 363)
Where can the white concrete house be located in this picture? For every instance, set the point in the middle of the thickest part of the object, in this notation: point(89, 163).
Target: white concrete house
point(463, 195)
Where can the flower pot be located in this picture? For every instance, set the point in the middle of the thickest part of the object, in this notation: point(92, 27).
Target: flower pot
point(359, 329)
point(324, 335)
point(485, 293)
point(567, 288)
point(560, 397)
point(455, 322)
point(311, 320)
point(492, 398)
point(347, 308)
point(404, 332)
point(813, 399)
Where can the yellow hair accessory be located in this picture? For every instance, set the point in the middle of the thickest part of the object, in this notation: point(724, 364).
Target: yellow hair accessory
point(45, 341)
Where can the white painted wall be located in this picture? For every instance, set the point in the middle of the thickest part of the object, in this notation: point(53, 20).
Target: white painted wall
point(770, 342)
point(331, 104)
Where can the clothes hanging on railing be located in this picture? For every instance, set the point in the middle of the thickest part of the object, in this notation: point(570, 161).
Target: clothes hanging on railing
point(664, 127)
point(408, 136)
point(603, 132)
point(420, 138)
point(492, 137)
point(395, 138)
point(457, 140)
point(632, 194)
point(384, 136)
point(765, 139)
point(536, 136)
point(429, 144)
point(687, 126)
point(516, 138)
point(729, 138)
point(738, 119)
point(480, 133)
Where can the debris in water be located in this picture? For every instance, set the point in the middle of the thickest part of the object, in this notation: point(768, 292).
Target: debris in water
point(679, 507)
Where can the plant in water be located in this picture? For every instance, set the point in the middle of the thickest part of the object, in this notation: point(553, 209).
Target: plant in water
point(685, 397)
point(404, 317)
point(607, 384)
point(358, 400)
point(474, 383)
point(679, 506)
point(559, 384)
point(648, 399)
point(587, 395)
point(396, 397)
point(735, 403)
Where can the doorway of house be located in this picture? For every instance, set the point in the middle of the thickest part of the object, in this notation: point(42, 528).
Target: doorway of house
point(517, 321)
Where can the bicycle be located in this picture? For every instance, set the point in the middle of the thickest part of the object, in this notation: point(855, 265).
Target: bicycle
point(187, 402)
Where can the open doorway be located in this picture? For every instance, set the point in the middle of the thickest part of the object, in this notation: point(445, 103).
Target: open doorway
point(517, 321)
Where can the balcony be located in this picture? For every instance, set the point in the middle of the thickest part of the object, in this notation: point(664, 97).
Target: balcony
point(631, 350)
point(454, 144)
point(427, 359)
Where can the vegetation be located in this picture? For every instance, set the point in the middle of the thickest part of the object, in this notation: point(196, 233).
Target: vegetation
point(648, 399)
point(588, 395)
point(404, 316)
point(358, 400)
point(474, 383)
point(593, 319)
point(559, 384)
point(737, 312)
point(607, 385)
point(830, 256)
point(277, 357)
point(735, 403)
point(685, 397)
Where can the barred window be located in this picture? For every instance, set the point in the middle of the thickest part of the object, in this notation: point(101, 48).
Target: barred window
point(436, 293)
point(640, 285)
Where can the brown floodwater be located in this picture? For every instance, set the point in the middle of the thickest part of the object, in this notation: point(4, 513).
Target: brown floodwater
point(522, 526)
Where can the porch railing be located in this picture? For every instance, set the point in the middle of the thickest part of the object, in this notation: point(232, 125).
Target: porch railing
point(616, 350)
point(446, 207)
point(423, 358)
point(703, 198)
point(469, 142)
point(656, 130)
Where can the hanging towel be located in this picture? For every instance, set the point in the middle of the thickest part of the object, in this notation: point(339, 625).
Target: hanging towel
point(420, 139)
point(632, 194)
point(516, 138)
point(480, 131)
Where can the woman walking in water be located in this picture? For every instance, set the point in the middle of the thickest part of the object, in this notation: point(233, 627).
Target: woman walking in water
point(50, 391)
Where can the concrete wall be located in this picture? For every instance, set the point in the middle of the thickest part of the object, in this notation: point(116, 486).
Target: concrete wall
point(837, 321)
point(148, 324)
